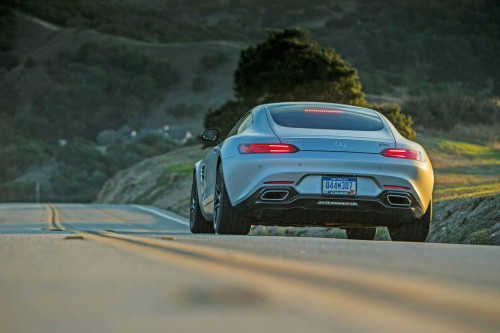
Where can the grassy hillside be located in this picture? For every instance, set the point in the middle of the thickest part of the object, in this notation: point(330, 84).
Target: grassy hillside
point(163, 181)
point(92, 91)
point(462, 169)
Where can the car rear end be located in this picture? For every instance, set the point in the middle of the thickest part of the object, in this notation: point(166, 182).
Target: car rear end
point(332, 165)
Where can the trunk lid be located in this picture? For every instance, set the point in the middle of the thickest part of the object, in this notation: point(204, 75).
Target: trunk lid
point(372, 142)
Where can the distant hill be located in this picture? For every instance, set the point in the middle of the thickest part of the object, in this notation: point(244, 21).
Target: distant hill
point(391, 42)
point(72, 99)
point(125, 81)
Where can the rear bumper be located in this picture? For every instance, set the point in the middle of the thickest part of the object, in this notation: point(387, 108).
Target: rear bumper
point(245, 175)
point(327, 210)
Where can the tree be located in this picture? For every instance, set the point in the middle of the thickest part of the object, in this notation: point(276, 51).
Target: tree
point(287, 66)
point(226, 116)
point(401, 121)
point(290, 66)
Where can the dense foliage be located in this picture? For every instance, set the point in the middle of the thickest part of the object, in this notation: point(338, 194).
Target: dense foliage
point(448, 107)
point(81, 168)
point(433, 41)
point(401, 121)
point(97, 87)
point(226, 116)
point(290, 66)
point(7, 40)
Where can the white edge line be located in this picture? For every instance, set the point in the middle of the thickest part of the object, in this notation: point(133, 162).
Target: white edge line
point(162, 215)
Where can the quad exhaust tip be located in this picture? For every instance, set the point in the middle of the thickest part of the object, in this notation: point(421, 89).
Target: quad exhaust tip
point(398, 200)
point(274, 195)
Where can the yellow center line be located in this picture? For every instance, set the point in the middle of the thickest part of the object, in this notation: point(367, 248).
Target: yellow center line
point(326, 288)
point(54, 223)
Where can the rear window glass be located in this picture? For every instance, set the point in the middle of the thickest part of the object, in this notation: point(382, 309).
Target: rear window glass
point(326, 118)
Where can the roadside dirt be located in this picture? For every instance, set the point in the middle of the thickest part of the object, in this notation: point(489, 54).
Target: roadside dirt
point(467, 221)
point(163, 181)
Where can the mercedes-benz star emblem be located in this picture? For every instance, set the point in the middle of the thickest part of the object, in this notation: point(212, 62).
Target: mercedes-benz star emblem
point(340, 145)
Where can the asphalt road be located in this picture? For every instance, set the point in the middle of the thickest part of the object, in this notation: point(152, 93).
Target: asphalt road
point(127, 268)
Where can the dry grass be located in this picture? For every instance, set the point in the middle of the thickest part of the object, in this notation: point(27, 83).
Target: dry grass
point(464, 167)
point(488, 135)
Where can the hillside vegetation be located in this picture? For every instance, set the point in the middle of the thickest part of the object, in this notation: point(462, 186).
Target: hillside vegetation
point(391, 42)
point(70, 107)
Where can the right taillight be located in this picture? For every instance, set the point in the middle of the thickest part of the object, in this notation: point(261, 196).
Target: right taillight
point(403, 153)
point(263, 148)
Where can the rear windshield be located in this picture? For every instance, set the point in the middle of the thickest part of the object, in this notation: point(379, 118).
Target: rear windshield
point(326, 118)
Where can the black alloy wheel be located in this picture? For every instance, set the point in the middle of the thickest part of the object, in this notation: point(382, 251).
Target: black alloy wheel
point(226, 219)
point(197, 223)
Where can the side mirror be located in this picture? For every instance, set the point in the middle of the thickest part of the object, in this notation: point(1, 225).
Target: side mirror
point(211, 135)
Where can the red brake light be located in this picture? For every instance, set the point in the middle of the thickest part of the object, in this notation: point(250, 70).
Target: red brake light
point(260, 148)
point(403, 153)
point(323, 111)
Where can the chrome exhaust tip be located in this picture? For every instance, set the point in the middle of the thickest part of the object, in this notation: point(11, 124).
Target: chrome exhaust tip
point(398, 200)
point(274, 195)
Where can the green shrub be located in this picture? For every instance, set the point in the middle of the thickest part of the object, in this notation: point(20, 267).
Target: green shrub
point(29, 62)
point(447, 108)
point(184, 111)
point(226, 116)
point(164, 74)
point(213, 61)
point(402, 122)
point(17, 192)
point(200, 84)
point(8, 61)
point(15, 159)
point(290, 66)
point(8, 28)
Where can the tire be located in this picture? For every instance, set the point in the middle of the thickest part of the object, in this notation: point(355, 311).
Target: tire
point(415, 230)
point(361, 233)
point(197, 223)
point(226, 219)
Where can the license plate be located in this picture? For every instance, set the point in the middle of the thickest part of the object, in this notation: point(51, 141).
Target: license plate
point(338, 185)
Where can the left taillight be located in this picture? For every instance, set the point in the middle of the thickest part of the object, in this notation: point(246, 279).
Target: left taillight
point(263, 148)
point(404, 153)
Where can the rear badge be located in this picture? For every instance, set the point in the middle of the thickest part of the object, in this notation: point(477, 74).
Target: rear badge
point(340, 145)
point(338, 203)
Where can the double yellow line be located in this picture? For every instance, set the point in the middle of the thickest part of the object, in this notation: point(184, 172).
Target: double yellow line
point(54, 224)
point(434, 304)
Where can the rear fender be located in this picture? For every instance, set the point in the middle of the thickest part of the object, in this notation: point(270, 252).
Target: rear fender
point(199, 188)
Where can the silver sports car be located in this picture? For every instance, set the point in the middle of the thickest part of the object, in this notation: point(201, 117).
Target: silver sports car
point(313, 164)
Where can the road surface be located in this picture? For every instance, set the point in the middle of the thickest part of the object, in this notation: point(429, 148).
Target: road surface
point(129, 268)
